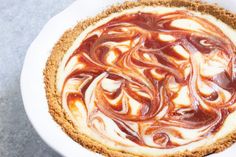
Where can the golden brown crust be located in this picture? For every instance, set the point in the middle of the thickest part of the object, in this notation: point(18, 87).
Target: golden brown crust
point(50, 71)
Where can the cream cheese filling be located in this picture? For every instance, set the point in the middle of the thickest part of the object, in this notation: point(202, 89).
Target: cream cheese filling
point(111, 130)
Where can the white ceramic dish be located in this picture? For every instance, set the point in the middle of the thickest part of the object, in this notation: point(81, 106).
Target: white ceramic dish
point(32, 87)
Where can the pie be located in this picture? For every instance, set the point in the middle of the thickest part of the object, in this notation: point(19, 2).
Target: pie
point(147, 78)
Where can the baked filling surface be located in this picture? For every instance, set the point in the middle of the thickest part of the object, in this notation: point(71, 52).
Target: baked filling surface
point(151, 78)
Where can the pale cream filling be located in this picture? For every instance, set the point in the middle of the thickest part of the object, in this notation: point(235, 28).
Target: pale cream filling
point(111, 129)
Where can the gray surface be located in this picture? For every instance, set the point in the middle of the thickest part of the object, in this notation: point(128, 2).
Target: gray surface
point(20, 22)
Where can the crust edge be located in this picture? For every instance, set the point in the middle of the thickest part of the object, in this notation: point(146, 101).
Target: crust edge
point(67, 39)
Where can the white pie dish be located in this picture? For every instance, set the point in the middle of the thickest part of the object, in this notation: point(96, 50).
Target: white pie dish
point(32, 77)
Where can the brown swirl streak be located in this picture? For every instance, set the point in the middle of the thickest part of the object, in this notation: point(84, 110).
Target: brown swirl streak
point(203, 112)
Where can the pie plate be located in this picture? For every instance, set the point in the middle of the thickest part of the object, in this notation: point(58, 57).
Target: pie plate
point(32, 85)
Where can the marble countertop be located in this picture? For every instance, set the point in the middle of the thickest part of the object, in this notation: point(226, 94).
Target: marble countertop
point(20, 22)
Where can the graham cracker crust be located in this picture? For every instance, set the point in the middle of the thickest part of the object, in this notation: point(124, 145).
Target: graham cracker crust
point(64, 43)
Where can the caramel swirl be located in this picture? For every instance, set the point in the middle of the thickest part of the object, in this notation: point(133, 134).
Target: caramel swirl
point(154, 80)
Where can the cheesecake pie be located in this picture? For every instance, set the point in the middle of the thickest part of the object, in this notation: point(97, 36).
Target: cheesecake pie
point(147, 78)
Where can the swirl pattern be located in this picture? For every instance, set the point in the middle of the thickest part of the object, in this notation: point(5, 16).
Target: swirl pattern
point(155, 80)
